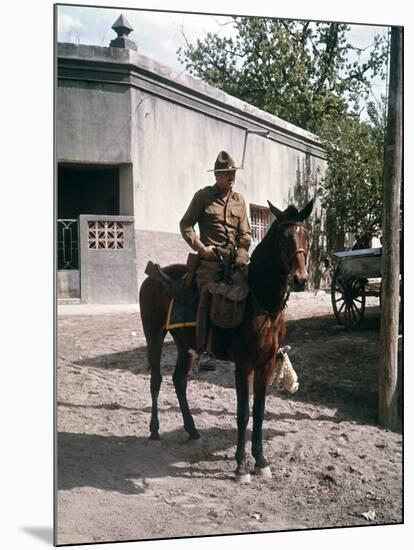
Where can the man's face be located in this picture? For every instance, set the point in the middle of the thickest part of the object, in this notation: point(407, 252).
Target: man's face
point(225, 180)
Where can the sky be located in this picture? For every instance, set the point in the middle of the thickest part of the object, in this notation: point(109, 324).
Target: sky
point(159, 34)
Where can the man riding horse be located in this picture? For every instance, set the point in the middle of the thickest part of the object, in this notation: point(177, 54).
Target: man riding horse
point(225, 234)
point(254, 345)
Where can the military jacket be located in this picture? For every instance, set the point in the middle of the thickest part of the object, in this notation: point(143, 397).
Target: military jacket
point(221, 222)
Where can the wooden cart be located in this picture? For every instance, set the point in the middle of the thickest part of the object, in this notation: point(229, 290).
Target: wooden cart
point(350, 284)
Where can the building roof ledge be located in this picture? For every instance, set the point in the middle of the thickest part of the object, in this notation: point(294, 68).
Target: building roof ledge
point(178, 79)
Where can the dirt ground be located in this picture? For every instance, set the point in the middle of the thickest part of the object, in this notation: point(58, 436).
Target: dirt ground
point(332, 464)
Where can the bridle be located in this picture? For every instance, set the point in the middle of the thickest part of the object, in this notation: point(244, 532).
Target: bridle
point(286, 267)
point(287, 260)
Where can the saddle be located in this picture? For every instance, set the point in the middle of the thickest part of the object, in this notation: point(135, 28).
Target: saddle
point(228, 298)
point(183, 290)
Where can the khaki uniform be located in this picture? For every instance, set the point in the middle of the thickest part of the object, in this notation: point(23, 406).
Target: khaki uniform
point(222, 223)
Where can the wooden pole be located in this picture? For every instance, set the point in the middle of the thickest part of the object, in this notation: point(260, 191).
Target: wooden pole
point(388, 365)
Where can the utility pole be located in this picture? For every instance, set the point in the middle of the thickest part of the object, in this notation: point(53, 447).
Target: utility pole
point(388, 364)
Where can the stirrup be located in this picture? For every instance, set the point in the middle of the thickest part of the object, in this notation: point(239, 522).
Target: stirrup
point(207, 361)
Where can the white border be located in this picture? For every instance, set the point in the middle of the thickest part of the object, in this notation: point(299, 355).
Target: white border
point(27, 271)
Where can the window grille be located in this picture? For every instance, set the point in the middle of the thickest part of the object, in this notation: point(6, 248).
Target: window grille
point(105, 235)
point(259, 216)
point(67, 244)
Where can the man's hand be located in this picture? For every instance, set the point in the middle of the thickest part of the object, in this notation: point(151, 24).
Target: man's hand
point(242, 258)
point(208, 253)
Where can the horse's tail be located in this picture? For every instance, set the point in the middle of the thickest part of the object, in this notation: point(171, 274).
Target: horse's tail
point(153, 302)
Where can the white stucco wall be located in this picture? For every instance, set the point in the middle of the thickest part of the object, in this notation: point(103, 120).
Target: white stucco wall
point(176, 147)
point(170, 145)
point(164, 130)
point(93, 123)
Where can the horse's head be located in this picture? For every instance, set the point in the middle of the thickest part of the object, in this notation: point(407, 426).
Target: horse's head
point(291, 238)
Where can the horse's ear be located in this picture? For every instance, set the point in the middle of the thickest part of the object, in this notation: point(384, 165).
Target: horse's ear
point(275, 211)
point(305, 213)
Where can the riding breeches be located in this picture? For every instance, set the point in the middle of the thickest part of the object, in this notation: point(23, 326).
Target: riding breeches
point(207, 272)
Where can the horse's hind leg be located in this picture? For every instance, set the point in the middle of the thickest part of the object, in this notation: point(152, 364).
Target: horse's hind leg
point(242, 391)
point(154, 360)
point(259, 399)
point(185, 361)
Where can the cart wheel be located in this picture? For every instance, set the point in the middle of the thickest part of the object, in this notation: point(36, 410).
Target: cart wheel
point(348, 300)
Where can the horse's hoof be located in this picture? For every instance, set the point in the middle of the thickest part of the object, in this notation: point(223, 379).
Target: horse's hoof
point(243, 478)
point(194, 441)
point(265, 472)
point(154, 437)
point(194, 436)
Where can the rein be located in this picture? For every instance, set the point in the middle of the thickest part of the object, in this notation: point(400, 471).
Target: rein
point(270, 313)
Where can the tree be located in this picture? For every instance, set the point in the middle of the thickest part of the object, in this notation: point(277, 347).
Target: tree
point(297, 70)
point(310, 75)
point(352, 190)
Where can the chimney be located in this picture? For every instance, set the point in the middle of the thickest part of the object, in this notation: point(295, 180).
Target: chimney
point(122, 29)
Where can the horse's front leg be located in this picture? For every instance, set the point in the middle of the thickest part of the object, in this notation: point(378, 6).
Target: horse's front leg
point(259, 400)
point(242, 391)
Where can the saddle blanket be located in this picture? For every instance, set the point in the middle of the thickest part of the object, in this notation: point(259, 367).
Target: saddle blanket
point(180, 315)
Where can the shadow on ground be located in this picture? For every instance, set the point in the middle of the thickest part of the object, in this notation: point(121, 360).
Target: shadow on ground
point(122, 464)
point(336, 367)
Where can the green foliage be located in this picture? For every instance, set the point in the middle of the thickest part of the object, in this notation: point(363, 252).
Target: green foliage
point(308, 74)
point(352, 189)
point(296, 70)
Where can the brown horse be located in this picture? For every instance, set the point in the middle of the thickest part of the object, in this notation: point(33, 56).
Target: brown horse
point(278, 259)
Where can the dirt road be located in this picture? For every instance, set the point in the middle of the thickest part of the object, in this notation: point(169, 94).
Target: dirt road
point(332, 464)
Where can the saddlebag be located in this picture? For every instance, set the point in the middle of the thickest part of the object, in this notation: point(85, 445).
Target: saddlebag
point(228, 303)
